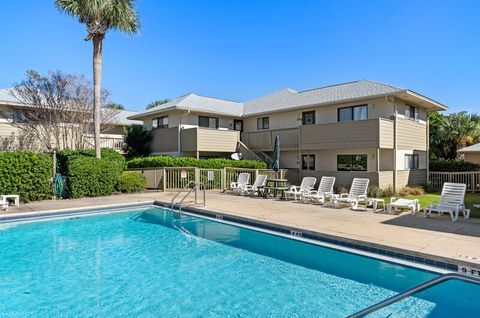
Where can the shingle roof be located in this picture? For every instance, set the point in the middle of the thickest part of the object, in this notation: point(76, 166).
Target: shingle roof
point(472, 148)
point(200, 103)
point(6, 96)
point(286, 99)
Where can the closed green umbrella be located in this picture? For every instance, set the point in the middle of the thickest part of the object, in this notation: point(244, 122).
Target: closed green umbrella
point(276, 154)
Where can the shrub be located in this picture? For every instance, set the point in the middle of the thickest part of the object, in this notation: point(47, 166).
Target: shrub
point(130, 181)
point(415, 190)
point(90, 177)
point(217, 163)
point(388, 192)
point(453, 166)
point(377, 192)
point(341, 190)
point(137, 141)
point(430, 188)
point(27, 174)
point(64, 156)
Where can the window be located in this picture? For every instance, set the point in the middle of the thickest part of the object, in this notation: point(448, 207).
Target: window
point(238, 125)
point(208, 122)
point(352, 163)
point(411, 113)
point(308, 162)
point(308, 118)
point(160, 122)
point(263, 123)
point(411, 161)
point(18, 116)
point(353, 113)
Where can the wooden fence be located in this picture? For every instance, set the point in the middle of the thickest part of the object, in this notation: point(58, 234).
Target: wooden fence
point(175, 178)
point(470, 178)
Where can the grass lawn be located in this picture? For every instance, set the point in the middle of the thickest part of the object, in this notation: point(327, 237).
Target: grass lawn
point(470, 200)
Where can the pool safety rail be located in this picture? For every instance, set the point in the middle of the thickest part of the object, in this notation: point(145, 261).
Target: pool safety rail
point(193, 187)
point(424, 286)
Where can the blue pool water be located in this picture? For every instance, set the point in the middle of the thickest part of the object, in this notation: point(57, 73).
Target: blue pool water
point(146, 263)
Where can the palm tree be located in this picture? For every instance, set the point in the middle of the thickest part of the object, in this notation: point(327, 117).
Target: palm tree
point(100, 16)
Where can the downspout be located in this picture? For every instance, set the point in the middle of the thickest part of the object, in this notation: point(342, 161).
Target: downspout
point(395, 128)
point(428, 148)
point(179, 137)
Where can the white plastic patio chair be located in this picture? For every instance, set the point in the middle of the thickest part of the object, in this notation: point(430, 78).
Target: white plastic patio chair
point(3, 203)
point(452, 201)
point(258, 185)
point(306, 186)
point(400, 203)
point(242, 181)
point(357, 194)
point(325, 190)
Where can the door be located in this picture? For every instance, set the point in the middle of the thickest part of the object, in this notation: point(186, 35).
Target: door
point(238, 125)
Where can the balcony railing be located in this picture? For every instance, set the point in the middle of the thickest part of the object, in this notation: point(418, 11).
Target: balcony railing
point(264, 140)
point(112, 142)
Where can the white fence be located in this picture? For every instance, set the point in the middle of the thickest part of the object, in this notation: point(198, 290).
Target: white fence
point(175, 178)
point(470, 178)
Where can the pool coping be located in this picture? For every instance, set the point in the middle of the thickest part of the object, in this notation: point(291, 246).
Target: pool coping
point(419, 258)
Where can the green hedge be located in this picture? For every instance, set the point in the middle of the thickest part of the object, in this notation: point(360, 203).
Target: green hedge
point(64, 155)
point(453, 166)
point(131, 181)
point(91, 177)
point(27, 174)
point(217, 163)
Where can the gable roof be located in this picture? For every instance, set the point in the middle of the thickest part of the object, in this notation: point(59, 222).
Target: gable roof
point(289, 99)
point(472, 148)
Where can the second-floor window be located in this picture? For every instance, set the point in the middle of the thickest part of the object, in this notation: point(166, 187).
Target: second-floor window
point(352, 163)
point(308, 118)
point(353, 113)
point(263, 123)
point(160, 122)
point(412, 161)
point(208, 122)
point(411, 112)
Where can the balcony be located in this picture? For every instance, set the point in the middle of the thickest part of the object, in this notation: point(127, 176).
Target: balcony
point(264, 140)
point(194, 139)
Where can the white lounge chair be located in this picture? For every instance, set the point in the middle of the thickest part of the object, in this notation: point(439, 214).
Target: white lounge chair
point(451, 201)
point(325, 190)
point(400, 203)
point(258, 185)
point(306, 186)
point(242, 181)
point(3, 203)
point(357, 194)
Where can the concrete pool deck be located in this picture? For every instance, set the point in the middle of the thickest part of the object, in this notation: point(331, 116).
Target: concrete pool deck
point(437, 236)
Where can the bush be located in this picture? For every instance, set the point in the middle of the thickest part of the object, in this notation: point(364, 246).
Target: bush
point(377, 192)
point(64, 156)
point(90, 177)
point(217, 163)
point(453, 166)
point(388, 192)
point(430, 188)
point(27, 174)
point(408, 191)
point(137, 141)
point(130, 181)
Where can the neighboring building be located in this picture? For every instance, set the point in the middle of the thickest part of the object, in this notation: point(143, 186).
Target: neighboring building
point(471, 154)
point(112, 136)
point(357, 129)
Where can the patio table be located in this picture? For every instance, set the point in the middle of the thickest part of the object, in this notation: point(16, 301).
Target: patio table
point(279, 185)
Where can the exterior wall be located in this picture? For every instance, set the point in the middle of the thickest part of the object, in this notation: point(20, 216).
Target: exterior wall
point(473, 157)
point(422, 158)
point(411, 135)
point(289, 160)
point(411, 177)
point(164, 140)
point(343, 178)
point(189, 120)
point(326, 160)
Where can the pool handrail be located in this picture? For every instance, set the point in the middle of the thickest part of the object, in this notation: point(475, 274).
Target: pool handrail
point(424, 286)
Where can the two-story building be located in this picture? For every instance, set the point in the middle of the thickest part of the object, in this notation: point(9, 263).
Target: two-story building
point(356, 129)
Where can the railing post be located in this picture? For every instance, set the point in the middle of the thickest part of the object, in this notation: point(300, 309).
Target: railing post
point(164, 180)
point(224, 179)
point(197, 180)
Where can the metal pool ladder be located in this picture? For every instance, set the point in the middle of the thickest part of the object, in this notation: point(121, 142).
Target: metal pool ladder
point(428, 284)
point(197, 186)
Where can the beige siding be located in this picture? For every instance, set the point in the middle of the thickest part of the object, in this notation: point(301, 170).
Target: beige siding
point(385, 179)
point(217, 140)
point(411, 177)
point(473, 157)
point(353, 134)
point(343, 178)
point(189, 141)
point(411, 135)
point(7, 130)
point(164, 140)
point(264, 140)
point(386, 134)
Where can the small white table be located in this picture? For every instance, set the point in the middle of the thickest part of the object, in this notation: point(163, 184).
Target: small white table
point(12, 196)
point(374, 202)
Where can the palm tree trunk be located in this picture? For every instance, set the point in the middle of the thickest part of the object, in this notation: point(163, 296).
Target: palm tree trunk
point(97, 79)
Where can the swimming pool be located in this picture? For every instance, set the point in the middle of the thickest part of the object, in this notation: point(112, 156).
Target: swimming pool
point(146, 262)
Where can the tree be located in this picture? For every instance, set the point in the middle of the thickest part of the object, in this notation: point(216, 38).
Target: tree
point(53, 111)
point(114, 106)
point(157, 103)
point(137, 141)
point(100, 16)
point(451, 132)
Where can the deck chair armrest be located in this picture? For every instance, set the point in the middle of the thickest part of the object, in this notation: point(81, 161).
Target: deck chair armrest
point(294, 188)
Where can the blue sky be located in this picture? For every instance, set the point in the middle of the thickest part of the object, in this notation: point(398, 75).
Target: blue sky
point(243, 49)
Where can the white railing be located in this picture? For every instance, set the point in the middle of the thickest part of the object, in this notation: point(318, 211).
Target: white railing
point(113, 142)
point(175, 178)
point(470, 178)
